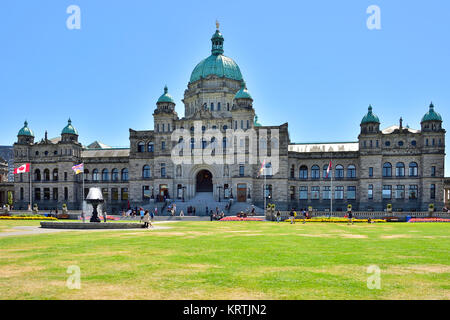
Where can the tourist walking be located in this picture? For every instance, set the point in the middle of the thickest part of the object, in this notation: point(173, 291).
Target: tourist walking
point(152, 216)
point(104, 215)
point(146, 219)
point(278, 216)
point(350, 218)
point(142, 212)
point(304, 216)
point(291, 216)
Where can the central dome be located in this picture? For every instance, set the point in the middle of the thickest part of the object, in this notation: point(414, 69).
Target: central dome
point(217, 64)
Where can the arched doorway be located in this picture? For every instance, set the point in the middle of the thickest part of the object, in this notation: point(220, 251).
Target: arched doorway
point(204, 181)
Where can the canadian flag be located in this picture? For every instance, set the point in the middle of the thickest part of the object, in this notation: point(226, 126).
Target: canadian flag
point(328, 170)
point(23, 168)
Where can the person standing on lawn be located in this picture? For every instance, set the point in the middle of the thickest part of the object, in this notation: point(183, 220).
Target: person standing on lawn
point(305, 215)
point(350, 217)
point(104, 215)
point(292, 216)
point(278, 216)
point(146, 219)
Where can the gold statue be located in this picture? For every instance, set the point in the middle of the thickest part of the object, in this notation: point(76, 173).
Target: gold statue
point(217, 24)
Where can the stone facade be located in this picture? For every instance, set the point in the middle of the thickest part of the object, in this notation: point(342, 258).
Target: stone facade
point(397, 165)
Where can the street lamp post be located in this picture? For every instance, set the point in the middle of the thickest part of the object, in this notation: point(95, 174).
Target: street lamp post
point(220, 188)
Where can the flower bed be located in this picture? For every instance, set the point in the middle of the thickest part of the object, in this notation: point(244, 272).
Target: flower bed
point(27, 218)
point(240, 219)
point(335, 220)
point(428, 220)
point(101, 218)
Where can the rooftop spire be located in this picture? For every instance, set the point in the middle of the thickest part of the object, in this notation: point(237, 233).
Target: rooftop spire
point(217, 41)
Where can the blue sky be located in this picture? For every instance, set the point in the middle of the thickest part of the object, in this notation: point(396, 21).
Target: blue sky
point(314, 64)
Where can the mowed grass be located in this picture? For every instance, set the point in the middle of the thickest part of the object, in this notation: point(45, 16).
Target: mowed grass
point(230, 260)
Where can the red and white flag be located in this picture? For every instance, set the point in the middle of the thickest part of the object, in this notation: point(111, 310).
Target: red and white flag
point(328, 170)
point(23, 168)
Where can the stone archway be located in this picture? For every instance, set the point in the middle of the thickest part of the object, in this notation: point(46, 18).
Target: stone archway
point(203, 181)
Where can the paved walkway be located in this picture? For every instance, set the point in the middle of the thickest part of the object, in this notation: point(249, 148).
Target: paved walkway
point(31, 230)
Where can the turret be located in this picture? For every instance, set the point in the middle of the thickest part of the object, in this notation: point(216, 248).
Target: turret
point(25, 135)
point(370, 123)
point(431, 121)
point(69, 133)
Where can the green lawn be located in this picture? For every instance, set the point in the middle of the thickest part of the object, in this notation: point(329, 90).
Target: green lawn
point(230, 260)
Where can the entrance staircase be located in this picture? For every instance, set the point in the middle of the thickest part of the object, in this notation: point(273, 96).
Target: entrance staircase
point(203, 200)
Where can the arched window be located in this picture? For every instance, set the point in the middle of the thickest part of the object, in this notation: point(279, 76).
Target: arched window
point(124, 174)
point(55, 174)
point(140, 147)
point(212, 106)
point(274, 143)
point(146, 172)
point(413, 169)
point(262, 143)
point(400, 169)
point(105, 175)
point(37, 175)
point(303, 172)
point(315, 172)
point(95, 175)
point(115, 175)
point(150, 147)
point(46, 175)
point(218, 106)
point(387, 170)
point(192, 143)
point(339, 172)
point(351, 171)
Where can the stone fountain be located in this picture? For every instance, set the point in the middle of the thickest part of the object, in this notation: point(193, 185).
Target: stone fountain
point(94, 198)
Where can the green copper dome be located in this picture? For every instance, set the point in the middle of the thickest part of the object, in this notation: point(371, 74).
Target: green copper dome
point(243, 93)
point(370, 117)
point(69, 129)
point(25, 131)
point(431, 115)
point(216, 64)
point(166, 97)
point(256, 123)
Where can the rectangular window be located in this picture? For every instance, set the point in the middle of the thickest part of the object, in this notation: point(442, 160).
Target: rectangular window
point(163, 127)
point(163, 145)
point(400, 192)
point(114, 194)
point(370, 172)
point(146, 195)
point(413, 191)
point(168, 127)
point(46, 193)
point(66, 193)
point(124, 194)
point(65, 176)
point(433, 171)
point(241, 170)
point(326, 193)
point(292, 192)
point(370, 192)
point(315, 193)
point(433, 191)
point(387, 192)
point(163, 170)
point(351, 193)
point(21, 193)
point(157, 127)
point(37, 194)
point(303, 193)
point(105, 194)
point(55, 193)
point(268, 191)
point(339, 193)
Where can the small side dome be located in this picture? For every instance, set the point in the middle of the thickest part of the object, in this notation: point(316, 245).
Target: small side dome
point(166, 97)
point(256, 123)
point(243, 92)
point(69, 129)
point(25, 131)
point(431, 115)
point(370, 117)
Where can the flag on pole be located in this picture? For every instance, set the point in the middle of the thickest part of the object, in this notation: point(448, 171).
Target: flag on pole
point(328, 169)
point(23, 168)
point(262, 167)
point(79, 168)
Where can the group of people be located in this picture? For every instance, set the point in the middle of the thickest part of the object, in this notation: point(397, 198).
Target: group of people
point(215, 215)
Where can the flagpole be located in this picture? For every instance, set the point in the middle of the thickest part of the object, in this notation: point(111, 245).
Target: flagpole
point(29, 175)
point(331, 198)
